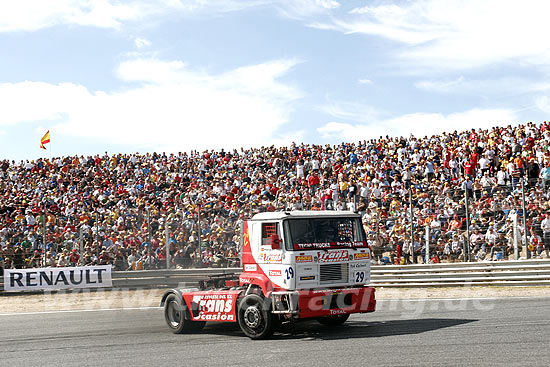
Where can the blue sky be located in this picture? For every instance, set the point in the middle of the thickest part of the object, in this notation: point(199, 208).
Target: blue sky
point(177, 75)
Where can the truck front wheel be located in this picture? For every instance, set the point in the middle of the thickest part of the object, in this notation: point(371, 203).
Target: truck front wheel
point(333, 320)
point(177, 316)
point(255, 318)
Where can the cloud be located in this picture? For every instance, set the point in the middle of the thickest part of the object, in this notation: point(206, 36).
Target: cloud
point(31, 101)
point(418, 124)
point(502, 86)
point(543, 103)
point(350, 111)
point(291, 9)
point(142, 42)
point(456, 34)
point(32, 15)
point(444, 86)
point(364, 81)
point(306, 9)
point(173, 108)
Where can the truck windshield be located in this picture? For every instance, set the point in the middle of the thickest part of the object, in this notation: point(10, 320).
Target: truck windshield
point(324, 233)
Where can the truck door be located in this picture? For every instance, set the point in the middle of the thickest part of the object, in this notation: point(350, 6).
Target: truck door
point(272, 255)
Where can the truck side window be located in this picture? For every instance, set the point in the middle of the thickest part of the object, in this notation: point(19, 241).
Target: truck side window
point(268, 229)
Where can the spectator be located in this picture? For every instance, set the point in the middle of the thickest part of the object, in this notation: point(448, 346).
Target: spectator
point(101, 202)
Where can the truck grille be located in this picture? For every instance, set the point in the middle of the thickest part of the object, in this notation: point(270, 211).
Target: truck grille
point(334, 273)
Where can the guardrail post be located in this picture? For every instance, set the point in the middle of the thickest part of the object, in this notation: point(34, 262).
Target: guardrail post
point(467, 239)
point(167, 245)
point(515, 229)
point(99, 244)
point(81, 245)
point(149, 238)
point(45, 217)
point(427, 254)
point(198, 253)
point(527, 252)
point(411, 247)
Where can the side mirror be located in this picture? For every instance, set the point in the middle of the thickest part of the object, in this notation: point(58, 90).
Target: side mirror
point(275, 242)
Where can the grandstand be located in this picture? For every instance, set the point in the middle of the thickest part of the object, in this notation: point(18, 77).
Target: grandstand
point(470, 188)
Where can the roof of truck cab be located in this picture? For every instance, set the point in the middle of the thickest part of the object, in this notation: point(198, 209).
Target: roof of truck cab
point(303, 214)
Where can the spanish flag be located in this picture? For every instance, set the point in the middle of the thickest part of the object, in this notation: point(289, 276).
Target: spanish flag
point(45, 139)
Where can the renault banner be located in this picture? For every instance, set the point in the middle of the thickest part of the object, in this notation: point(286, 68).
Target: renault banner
point(16, 280)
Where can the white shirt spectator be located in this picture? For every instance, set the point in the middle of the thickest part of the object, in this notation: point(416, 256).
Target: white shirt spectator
point(30, 219)
point(300, 171)
point(435, 224)
point(501, 178)
point(545, 224)
point(483, 163)
point(315, 164)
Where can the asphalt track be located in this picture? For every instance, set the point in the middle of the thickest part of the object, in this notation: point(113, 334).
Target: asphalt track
point(483, 332)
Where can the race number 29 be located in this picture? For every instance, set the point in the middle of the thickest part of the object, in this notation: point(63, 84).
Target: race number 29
point(359, 276)
point(289, 273)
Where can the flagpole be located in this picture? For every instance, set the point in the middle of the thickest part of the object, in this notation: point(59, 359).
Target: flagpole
point(50, 150)
point(45, 202)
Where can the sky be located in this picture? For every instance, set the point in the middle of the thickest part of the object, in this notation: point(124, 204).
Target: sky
point(181, 75)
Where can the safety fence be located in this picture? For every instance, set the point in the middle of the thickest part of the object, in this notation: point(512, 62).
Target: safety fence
point(498, 273)
point(425, 221)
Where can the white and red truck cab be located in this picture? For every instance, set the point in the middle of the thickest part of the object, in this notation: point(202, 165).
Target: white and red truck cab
point(296, 265)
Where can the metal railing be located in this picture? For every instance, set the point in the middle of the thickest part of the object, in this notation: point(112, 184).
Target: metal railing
point(496, 273)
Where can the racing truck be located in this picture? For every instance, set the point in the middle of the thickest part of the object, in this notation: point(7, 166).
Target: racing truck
point(296, 265)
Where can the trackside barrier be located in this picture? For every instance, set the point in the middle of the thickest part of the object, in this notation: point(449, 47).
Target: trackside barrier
point(159, 278)
point(496, 273)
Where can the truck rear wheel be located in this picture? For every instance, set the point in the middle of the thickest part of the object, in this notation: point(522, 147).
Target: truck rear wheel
point(333, 320)
point(255, 318)
point(177, 316)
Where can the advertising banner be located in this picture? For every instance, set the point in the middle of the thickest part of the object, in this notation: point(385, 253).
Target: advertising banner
point(16, 280)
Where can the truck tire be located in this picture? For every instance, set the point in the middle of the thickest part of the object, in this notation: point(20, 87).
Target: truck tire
point(177, 316)
point(255, 318)
point(333, 320)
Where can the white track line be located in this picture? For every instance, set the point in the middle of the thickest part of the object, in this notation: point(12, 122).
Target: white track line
point(75, 311)
point(440, 299)
point(459, 299)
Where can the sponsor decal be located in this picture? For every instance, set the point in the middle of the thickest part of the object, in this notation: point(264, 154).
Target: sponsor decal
point(337, 312)
point(57, 278)
point(215, 317)
point(246, 236)
point(358, 266)
point(215, 307)
point(300, 246)
point(329, 245)
point(304, 258)
point(273, 258)
point(308, 268)
point(308, 277)
point(334, 256)
point(275, 273)
point(335, 291)
point(361, 256)
point(250, 267)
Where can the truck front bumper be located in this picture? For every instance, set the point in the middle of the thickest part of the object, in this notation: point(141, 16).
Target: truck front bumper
point(324, 302)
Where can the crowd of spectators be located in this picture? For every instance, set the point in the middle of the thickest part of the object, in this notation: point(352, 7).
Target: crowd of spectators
point(114, 209)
